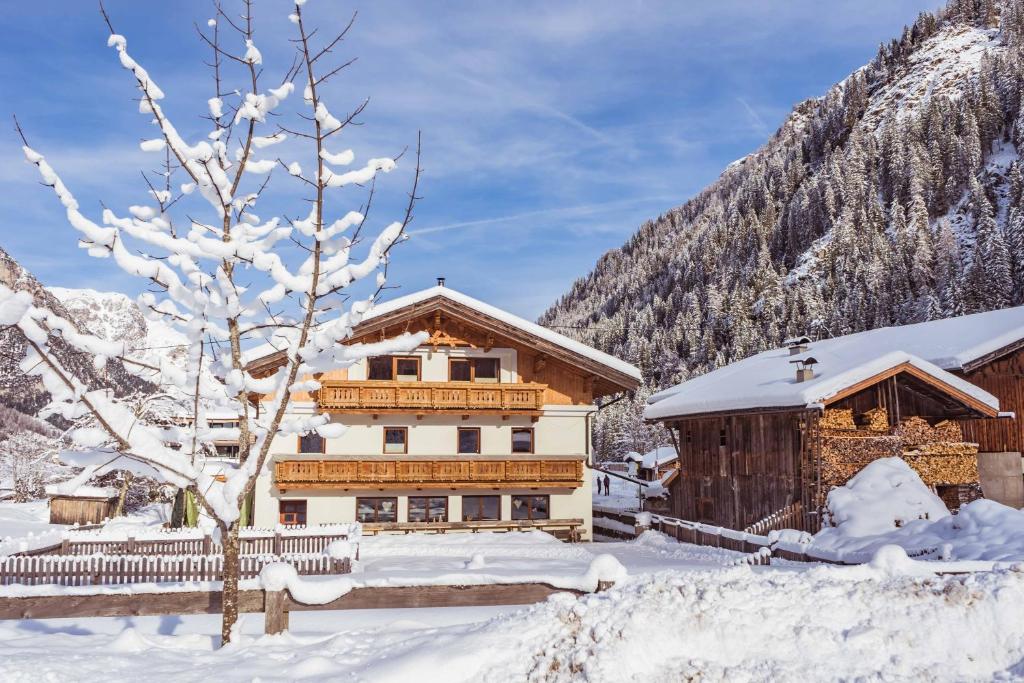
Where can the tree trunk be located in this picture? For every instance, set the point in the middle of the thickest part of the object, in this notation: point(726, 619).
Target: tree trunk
point(119, 509)
point(232, 569)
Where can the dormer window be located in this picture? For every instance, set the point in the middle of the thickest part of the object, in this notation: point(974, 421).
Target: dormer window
point(483, 370)
point(389, 368)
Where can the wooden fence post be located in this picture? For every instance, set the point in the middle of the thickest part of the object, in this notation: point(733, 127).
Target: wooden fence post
point(277, 543)
point(131, 545)
point(207, 544)
point(276, 616)
point(65, 546)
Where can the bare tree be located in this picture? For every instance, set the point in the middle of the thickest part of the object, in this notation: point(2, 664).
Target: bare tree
point(223, 275)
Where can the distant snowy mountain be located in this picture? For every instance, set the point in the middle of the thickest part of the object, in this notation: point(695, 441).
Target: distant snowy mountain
point(26, 394)
point(896, 197)
point(114, 316)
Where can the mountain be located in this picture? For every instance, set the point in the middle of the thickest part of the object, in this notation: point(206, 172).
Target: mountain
point(112, 315)
point(25, 393)
point(893, 198)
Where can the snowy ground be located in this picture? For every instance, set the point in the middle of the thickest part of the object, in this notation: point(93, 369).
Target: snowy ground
point(684, 612)
point(26, 525)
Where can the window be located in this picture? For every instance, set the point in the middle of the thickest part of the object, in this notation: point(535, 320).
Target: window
point(377, 509)
point(476, 508)
point(428, 509)
point(311, 443)
point(530, 507)
point(292, 512)
point(396, 439)
point(401, 368)
point(380, 368)
point(227, 450)
point(485, 370)
point(469, 440)
point(522, 440)
point(460, 370)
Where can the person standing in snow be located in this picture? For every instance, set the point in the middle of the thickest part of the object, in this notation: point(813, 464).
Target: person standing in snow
point(607, 485)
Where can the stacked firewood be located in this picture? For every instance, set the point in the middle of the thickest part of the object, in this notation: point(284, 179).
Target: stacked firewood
point(842, 456)
point(937, 453)
point(877, 420)
point(837, 418)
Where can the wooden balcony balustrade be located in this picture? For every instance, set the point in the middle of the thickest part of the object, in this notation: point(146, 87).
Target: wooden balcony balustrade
point(446, 473)
point(388, 396)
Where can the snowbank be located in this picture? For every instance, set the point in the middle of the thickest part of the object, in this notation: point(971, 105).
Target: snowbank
point(866, 511)
point(829, 623)
point(881, 497)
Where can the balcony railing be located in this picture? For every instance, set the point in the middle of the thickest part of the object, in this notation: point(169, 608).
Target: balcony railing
point(378, 395)
point(445, 473)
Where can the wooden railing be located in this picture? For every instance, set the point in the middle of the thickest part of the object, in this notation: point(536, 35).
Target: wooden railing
point(442, 473)
point(376, 395)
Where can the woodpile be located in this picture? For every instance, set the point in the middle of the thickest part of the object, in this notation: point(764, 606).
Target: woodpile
point(837, 418)
point(944, 469)
point(937, 453)
point(916, 431)
point(877, 420)
point(844, 456)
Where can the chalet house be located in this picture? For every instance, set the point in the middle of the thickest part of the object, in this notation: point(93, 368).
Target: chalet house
point(653, 465)
point(775, 431)
point(486, 425)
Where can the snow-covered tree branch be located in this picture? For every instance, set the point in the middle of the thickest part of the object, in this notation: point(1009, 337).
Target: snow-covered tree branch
point(224, 275)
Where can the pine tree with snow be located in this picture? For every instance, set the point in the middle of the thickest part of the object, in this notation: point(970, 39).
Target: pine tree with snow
point(223, 275)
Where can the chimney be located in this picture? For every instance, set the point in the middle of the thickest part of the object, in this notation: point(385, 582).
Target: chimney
point(440, 281)
point(804, 368)
point(797, 345)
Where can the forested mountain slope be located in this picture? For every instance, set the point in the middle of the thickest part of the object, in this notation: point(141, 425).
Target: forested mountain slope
point(894, 198)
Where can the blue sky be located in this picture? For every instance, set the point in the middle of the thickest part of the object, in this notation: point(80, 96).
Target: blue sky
point(551, 130)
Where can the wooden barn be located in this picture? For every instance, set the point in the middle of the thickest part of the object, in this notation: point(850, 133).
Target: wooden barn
point(771, 434)
point(85, 505)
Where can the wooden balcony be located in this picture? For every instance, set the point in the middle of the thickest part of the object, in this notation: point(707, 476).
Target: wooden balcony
point(448, 473)
point(377, 396)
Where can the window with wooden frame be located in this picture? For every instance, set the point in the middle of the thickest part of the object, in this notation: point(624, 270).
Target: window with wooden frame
point(483, 370)
point(396, 440)
point(428, 508)
point(290, 512)
point(312, 443)
point(531, 507)
point(479, 508)
point(522, 440)
point(377, 509)
point(468, 440)
point(401, 368)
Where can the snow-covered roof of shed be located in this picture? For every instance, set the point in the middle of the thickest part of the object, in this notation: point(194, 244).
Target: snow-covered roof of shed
point(768, 380)
point(659, 456)
point(534, 329)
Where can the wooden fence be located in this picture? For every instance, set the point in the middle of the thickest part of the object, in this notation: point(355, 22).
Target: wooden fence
point(759, 549)
point(112, 570)
point(177, 542)
point(275, 604)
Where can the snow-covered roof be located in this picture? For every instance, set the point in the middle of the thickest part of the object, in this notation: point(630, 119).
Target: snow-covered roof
point(69, 490)
point(659, 456)
point(768, 380)
point(531, 328)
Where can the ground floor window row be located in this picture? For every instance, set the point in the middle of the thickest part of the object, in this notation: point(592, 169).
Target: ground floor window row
point(382, 509)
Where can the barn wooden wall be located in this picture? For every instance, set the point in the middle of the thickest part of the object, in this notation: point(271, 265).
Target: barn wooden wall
point(80, 510)
point(755, 472)
point(1004, 379)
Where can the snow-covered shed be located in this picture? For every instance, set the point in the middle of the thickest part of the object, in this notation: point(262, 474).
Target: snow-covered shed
point(81, 504)
point(774, 431)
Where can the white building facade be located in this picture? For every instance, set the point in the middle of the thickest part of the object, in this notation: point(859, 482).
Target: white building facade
point(485, 426)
